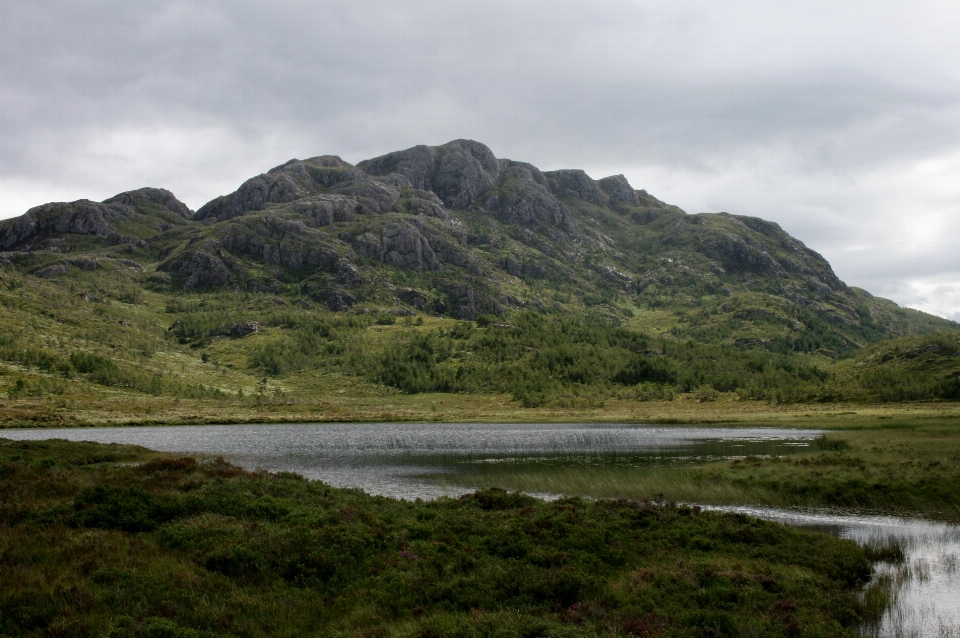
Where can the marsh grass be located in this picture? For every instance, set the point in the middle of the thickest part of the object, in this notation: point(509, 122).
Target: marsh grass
point(904, 468)
point(113, 540)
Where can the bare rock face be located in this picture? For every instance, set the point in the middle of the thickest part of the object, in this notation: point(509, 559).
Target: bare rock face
point(323, 210)
point(416, 298)
point(370, 194)
point(347, 275)
point(416, 164)
point(368, 246)
point(466, 170)
point(245, 328)
point(459, 172)
point(51, 271)
point(523, 198)
point(81, 217)
point(285, 183)
point(619, 191)
point(157, 197)
point(202, 266)
point(575, 183)
point(406, 247)
point(337, 300)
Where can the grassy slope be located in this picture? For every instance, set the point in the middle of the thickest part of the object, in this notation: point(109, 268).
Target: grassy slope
point(114, 540)
point(97, 348)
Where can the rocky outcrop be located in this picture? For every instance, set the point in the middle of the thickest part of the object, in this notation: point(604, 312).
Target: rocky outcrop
point(575, 183)
point(523, 198)
point(619, 191)
point(152, 197)
point(347, 275)
point(81, 217)
point(416, 298)
point(84, 217)
point(404, 246)
point(337, 300)
point(202, 265)
point(288, 182)
point(323, 210)
point(459, 172)
point(245, 328)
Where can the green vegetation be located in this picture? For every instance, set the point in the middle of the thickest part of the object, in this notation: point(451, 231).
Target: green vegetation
point(520, 293)
point(69, 355)
point(114, 540)
point(890, 465)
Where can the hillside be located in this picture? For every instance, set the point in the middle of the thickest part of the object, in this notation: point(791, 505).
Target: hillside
point(434, 269)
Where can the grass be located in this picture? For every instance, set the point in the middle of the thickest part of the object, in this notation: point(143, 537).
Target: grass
point(118, 541)
point(885, 464)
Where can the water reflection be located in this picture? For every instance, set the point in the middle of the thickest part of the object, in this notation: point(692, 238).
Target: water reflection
point(398, 459)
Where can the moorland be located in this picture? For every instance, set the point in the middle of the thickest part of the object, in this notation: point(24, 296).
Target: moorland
point(444, 284)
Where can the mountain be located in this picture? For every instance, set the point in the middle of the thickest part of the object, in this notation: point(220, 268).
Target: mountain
point(454, 230)
point(449, 231)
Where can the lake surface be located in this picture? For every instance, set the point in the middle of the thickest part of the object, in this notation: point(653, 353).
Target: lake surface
point(396, 459)
point(403, 460)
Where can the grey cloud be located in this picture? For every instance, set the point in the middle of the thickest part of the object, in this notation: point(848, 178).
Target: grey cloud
point(762, 108)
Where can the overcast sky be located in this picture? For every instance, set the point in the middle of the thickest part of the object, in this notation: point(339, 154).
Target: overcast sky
point(838, 120)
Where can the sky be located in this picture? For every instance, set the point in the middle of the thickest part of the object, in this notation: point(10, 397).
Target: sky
point(838, 120)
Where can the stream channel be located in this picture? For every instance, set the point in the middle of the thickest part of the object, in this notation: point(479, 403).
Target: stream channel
point(403, 460)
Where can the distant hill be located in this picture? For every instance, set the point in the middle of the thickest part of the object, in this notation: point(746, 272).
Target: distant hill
point(447, 231)
point(456, 231)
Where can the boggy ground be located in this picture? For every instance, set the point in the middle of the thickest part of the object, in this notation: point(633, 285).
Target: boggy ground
point(118, 541)
point(876, 462)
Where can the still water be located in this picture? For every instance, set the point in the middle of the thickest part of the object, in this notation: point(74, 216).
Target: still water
point(402, 460)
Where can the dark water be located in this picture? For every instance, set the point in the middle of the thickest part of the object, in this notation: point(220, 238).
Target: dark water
point(394, 459)
point(398, 459)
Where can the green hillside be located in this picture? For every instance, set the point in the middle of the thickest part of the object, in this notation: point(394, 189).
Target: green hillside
point(437, 270)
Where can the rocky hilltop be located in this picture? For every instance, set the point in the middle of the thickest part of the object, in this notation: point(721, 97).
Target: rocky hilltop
point(453, 230)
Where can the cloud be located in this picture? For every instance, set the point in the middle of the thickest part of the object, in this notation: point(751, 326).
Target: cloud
point(837, 120)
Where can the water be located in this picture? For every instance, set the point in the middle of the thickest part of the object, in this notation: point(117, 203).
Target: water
point(924, 589)
point(402, 460)
point(397, 459)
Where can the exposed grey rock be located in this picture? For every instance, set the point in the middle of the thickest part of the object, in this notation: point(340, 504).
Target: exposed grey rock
point(323, 210)
point(367, 245)
point(575, 183)
point(415, 298)
point(466, 170)
point(245, 328)
point(523, 200)
point(129, 263)
point(373, 195)
point(200, 266)
point(406, 247)
point(51, 271)
point(288, 182)
point(420, 202)
point(416, 164)
point(84, 264)
point(619, 190)
point(347, 275)
point(452, 252)
point(278, 239)
point(337, 300)
point(464, 301)
point(459, 172)
point(616, 277)
point(81, 217)
point(146, 197)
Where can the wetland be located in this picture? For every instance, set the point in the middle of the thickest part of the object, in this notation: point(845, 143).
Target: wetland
point(806, 478)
